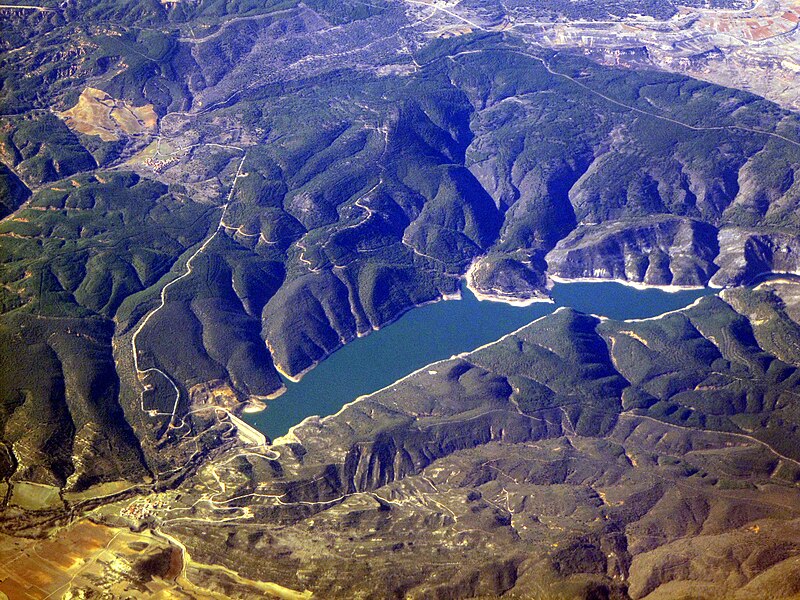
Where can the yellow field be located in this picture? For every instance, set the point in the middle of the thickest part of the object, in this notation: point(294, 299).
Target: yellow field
point(84, 556)
point(97, 113)
point(87, 557)
point(34, 496)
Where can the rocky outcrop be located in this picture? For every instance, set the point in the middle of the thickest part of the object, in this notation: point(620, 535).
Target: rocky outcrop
point(747, 254)
point(505, 278)
point(583, 457)
point(660, 250)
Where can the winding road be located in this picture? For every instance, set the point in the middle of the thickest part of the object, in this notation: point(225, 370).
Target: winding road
point(142, 373)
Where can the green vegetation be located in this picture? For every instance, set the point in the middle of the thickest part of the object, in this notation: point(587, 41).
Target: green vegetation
point(362, 192)
point(527, 442)
point(93, 240)
point(41, 149)
point(12, 191)
point(316, 169)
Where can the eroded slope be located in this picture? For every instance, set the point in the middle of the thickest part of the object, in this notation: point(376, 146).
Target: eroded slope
point(574, 458)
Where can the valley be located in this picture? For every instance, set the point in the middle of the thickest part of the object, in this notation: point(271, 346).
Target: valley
point(208, 208)
point(438, 331)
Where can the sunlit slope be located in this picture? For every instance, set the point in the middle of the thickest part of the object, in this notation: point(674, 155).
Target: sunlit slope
point(578, 457)
point(276, 213)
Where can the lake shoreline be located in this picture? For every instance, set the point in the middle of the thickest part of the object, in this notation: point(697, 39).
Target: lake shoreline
point(437, 331)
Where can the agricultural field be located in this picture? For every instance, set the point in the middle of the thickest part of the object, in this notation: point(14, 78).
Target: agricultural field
point(97, 113)
point(200, 202)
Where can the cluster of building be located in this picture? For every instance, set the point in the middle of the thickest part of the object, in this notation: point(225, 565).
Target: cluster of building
point(159, 165)
point(143, 508)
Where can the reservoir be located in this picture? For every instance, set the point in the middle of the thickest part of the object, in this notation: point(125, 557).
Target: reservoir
point(438, 331)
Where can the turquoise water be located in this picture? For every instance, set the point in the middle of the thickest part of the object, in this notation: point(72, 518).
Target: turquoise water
point(436, 331)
